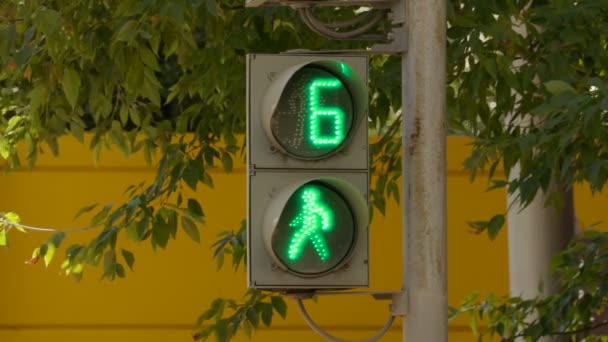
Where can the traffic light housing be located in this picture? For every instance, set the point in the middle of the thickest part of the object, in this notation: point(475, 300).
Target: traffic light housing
point(308, 176)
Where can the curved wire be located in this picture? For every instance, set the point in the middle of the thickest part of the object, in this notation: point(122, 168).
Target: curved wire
point(351, 22)
point(322, 26)
point(331, 338)
point(324, 29)
point(50, 230)
point(361, 37)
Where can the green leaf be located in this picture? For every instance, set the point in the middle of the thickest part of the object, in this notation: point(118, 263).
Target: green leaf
point(49, 254)
point(151, 89)
point(134, 231)
point(120, 270)
point(172, 223)
point(108, 236)
point(557, 87)
point(84, 209)
point(118, 137)
point(279, 305)
point(500, 328)
point(56, 239)
point(195, 209)
point(205, 177)
point(190, 228)
point(47, 20)
point(227, 162)
point(148, 58)
point(594, 172)
point(219, 260)
point(535, 331)
point(109, 264)
point(252, 317)
point(267, 314)
point(15, 220)
point(129, 258)
point(13, 122)
point(23, 55)
point(160, 233)
point(100, 216)
point(478, 225)
point(71, 86)
point(237, 256)
point(127, 32)
point(124, 115)
point(190, 176)
point(203, 334)
point(127, 8)
point(495, 225)
point(3, 239)
point(219, 305)
point(247, 329)
point(220, 330)
point(12, 217)
point(36, 253)
point(38, 96)
point(5, 149)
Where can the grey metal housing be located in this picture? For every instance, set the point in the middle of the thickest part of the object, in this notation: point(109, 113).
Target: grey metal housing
point(270, 170)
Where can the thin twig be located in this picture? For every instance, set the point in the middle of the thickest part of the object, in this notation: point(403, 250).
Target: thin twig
point(572, 332)
point(50, 230)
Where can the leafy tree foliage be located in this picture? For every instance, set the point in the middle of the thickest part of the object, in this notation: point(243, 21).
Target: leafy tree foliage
point(143, 76)
point(576, 310)
point(529, 82)
point(526, 80)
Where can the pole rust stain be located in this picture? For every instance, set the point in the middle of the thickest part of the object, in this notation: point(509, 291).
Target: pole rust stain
point(414, 137)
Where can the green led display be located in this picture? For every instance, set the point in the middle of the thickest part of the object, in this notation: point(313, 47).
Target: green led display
point(315, 218)
point(314, 115)
point(318, 112)
point(316, 230)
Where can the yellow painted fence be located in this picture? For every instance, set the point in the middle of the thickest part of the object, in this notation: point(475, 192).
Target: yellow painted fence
point(170, 288)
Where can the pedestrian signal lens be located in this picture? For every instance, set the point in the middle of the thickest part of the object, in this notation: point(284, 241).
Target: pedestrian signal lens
point(314, 115)
point(315, 232)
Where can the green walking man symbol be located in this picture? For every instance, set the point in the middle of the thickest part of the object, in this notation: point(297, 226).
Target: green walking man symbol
point(314, 218)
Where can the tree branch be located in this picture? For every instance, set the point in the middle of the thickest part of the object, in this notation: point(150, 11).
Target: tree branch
point(581, 330)
point(569, 333)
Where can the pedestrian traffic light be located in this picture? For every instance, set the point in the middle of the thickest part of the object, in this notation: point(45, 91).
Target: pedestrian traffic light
point(308, 172)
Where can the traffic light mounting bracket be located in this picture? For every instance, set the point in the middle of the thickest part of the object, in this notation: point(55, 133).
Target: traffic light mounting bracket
point(394, 41)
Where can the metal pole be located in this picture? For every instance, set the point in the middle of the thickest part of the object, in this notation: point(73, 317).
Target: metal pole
point(424, 171)
point(536, 235)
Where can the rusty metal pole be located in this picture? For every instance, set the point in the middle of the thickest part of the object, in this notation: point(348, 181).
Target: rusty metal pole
point(424, 171)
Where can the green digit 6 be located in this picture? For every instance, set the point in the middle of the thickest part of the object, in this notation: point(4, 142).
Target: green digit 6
point(317, 112)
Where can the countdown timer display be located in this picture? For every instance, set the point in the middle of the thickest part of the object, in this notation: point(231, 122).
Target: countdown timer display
point(314, 115)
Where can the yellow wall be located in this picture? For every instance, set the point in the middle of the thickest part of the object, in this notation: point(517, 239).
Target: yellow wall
point(170, 288)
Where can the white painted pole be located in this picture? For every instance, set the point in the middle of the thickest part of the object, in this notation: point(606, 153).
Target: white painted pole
point(424, 171)
point(536, 235)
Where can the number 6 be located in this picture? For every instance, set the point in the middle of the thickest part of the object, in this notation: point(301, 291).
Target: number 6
point(317, 112)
